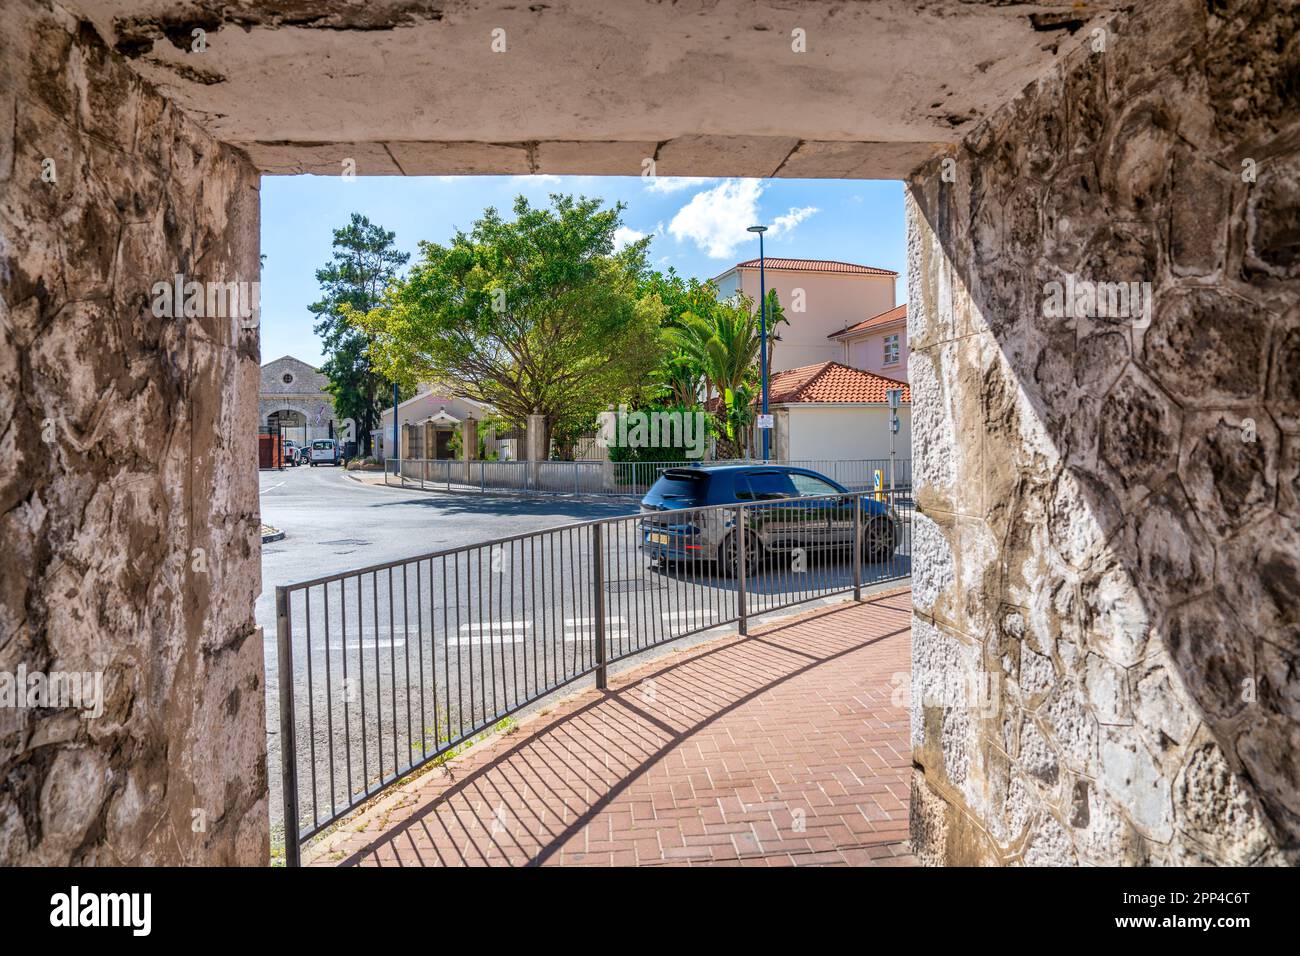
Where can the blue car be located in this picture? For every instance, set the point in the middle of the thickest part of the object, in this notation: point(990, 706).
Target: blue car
point(805, 511)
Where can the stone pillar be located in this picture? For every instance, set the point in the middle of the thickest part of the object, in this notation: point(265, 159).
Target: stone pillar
point(128, 496)
point(1107, 549)
point(469, 446)
point(405, 432)
point(538, 439)
point(538, 446)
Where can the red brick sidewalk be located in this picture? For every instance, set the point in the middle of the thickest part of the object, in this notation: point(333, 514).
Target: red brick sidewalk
point(777, 749)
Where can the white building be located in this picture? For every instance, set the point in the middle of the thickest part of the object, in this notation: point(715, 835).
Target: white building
point(442, 415)
point(829, 411)
point(820, 297)
point(845, 346)
point(877, 344)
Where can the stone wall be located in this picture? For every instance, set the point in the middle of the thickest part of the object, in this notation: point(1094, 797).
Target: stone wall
point(128, 490)
point(1107, 583)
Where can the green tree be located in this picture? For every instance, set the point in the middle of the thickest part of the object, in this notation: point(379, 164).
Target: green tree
point(775, 319)
point(722, 340)
point(538, 315)
point(679, 381)
point(363, 263)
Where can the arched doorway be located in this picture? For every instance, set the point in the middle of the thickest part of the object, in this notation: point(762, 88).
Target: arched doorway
point(291, 423)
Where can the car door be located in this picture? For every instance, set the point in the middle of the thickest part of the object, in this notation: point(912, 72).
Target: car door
point(827, 515)
point(782, 521)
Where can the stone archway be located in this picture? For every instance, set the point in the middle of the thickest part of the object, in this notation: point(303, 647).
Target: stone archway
point(109, 185)
point(291, 423)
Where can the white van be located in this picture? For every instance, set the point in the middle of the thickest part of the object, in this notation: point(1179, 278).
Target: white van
point(324, 451)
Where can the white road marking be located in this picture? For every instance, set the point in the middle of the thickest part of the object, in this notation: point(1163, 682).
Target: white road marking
point(370, 646)
point(479, 641)
point(586, 636)
point(500, 632)
point(272, 488)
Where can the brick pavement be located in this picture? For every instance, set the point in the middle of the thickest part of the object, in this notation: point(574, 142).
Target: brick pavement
point(782, 748)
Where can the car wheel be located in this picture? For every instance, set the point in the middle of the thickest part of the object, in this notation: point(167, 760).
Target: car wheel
point(878, 539)
point(729, 560)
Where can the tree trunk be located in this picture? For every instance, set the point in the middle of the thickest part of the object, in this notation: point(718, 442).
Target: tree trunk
point(726, 447)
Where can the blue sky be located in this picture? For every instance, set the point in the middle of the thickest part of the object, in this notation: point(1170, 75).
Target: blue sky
point(698, 226)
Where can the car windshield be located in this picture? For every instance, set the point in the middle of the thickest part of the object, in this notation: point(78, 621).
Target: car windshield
point(681, 486)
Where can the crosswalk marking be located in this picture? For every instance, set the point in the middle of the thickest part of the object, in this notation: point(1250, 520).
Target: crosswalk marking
point(491, 632)
point(479, 640)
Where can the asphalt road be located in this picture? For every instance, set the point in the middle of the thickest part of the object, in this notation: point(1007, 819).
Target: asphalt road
point(333, 524)
point(391, 663)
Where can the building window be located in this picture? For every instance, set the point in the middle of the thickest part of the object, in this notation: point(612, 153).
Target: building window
point(287, 379)
point(891, 349)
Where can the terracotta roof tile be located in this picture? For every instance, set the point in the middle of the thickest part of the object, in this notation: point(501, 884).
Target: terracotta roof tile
point(814, 265)
point(884, 318)
point(831, 382)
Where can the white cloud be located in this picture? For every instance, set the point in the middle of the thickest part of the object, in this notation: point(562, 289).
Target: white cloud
point(624, 236)
point(783, 224)
point(673, 184)
point(716, 219)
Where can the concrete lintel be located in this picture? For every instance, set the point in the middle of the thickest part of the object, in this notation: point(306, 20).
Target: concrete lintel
point(750, 156)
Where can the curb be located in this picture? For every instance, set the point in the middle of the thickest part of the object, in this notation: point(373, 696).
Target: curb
point(514, 494)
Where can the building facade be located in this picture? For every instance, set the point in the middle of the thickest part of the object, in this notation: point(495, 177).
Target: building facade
point(819, 297)
point(292, 395)
point(877, 344)
point(829, 412)
point(428, 420)
point(845, 346)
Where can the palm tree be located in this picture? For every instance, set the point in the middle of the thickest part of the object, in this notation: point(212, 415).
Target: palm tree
point(681, 380)
point(775, 317)
point(724, 344)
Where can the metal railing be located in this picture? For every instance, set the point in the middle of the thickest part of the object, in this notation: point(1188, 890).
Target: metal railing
point(386, 668)
point(626, 478)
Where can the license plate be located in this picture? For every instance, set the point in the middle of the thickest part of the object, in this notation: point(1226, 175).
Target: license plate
point(658, 538)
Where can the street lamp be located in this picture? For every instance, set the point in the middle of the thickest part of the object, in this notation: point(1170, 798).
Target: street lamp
point(762, 324)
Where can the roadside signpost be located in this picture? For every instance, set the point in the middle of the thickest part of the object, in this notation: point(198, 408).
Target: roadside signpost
point(895, 396)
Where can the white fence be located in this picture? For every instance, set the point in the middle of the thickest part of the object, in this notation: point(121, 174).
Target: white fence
point(613, 478)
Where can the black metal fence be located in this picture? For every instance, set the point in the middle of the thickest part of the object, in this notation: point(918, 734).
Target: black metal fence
point(386, 668)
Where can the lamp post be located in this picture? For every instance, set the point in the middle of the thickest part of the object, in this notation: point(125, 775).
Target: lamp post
point(397, 448)
point(762, 324)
